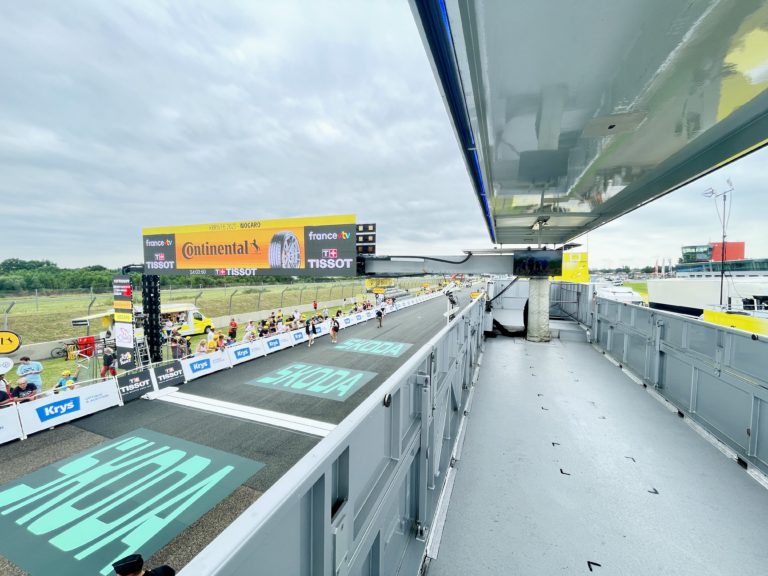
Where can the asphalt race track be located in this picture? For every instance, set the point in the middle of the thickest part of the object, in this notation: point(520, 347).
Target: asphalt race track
point(271, 450)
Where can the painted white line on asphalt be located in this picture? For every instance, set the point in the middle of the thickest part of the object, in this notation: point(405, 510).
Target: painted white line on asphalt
point(277, 419)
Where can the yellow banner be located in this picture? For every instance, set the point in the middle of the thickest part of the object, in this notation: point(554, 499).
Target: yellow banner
point(123, 317)
point(575, 268)
point(379, 283)
point(123, 304)
point(340, 219)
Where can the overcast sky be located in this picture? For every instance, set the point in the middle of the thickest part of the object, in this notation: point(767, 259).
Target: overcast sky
point(120, 115)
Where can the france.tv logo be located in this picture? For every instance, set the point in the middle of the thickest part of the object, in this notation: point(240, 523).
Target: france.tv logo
point(345, 235)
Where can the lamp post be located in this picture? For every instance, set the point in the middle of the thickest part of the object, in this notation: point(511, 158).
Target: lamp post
point(710, 193)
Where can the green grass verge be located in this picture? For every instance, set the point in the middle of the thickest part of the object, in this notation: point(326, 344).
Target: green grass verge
point(639, 287)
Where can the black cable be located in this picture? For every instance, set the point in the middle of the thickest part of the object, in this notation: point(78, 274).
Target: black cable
point(469, 255)
point(516, 278)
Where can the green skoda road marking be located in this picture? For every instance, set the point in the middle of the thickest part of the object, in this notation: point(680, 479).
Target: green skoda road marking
point(133, 494)
point(377, 347)
point(315, 380)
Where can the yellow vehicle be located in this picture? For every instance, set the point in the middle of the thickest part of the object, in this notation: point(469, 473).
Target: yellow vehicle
point(185, 317)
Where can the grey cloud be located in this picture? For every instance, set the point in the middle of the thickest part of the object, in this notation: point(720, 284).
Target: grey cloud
point(121, 115)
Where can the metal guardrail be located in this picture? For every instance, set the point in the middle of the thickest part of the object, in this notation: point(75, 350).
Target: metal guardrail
point(362, 501)
point(714, 375)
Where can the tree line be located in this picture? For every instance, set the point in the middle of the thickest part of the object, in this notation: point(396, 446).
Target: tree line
point(24, 276)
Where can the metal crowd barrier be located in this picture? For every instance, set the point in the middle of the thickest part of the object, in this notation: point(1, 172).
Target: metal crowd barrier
point(714, 375)
point(363, 500)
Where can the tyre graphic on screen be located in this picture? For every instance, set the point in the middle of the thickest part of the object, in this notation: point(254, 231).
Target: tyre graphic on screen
point(284, 251)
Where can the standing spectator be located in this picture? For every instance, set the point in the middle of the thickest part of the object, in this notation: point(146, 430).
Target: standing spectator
point(326, 313)
point(380, 315)
point(4, 385)
point(30, 371)
point(108, 362)
point(314, 305)
point(232, 329)
point(209, 333)
point(249, 329)
point(309, 328)
point(168, 326)
point(184, 346)
point(67, 381)
point(24, 391)
point(335, 330)
point(175, 337)
point(202, 347)
point(5, 398)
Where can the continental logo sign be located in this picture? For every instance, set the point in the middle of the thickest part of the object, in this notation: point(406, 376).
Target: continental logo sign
point(295, 246)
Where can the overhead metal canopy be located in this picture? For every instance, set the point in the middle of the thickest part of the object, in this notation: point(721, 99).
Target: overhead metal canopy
point(570, 114)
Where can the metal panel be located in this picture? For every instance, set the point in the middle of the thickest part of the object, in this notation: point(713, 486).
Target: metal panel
point(673, 333)
point(749, 355)
point(724, 407)
point(702, 339)
point(636, 353)
point(676, 381)
point(761, 452)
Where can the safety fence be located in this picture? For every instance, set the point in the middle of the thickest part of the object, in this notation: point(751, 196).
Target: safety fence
point(363, 501)
point(715, 375)
point(55, 407)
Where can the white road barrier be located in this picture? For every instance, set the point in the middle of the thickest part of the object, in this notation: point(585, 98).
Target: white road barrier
point(10, 426)
point(68, 405)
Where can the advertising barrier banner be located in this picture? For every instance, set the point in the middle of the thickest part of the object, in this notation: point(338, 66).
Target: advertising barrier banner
point(245, 351)
point(10, 427)
point(59, 408)
point(316, 246)
point(133, 385)
point(204, 364)
point(170, 374)
point(278, 342)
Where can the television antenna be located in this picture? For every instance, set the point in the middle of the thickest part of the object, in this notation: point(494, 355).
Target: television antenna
point(724, 217)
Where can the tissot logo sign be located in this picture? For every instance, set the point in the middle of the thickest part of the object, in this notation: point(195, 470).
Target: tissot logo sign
point(330, 250)
point(169, 374)
point(134, 385)
point(160, 252)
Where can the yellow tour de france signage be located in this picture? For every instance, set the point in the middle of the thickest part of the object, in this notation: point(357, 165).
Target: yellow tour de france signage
point(315, 246)
point(9, 342)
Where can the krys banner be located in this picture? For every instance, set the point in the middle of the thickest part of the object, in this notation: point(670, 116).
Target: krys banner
point(318, 246)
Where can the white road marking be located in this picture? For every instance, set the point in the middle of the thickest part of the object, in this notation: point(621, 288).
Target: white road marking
point(277, 419)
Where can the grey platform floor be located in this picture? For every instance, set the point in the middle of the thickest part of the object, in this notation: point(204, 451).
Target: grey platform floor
point(562, 455)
